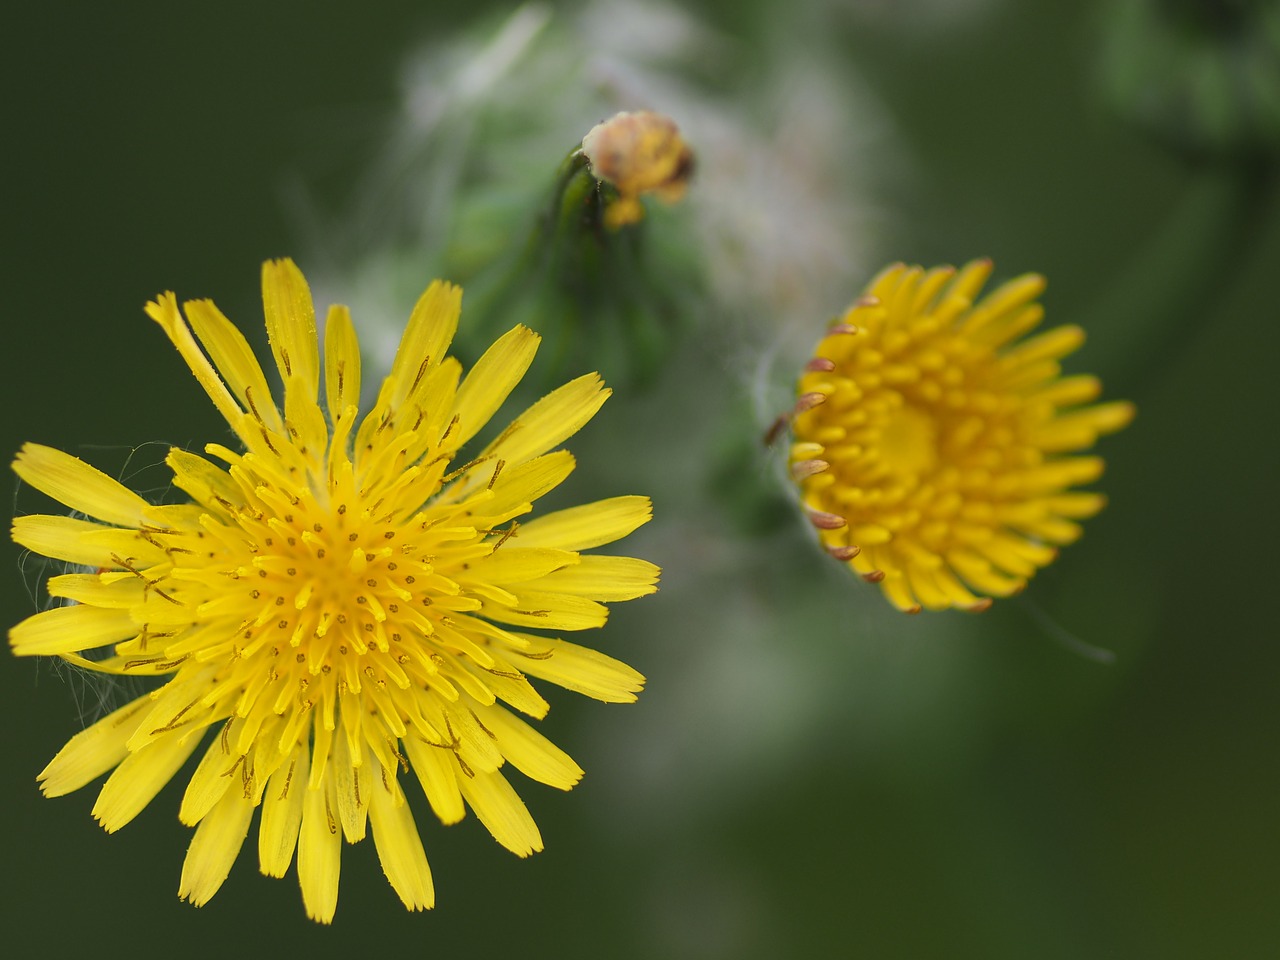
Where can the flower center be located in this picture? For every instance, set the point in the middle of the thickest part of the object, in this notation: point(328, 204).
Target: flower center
point(338, 599)
point(908, 442)
point(339, 585)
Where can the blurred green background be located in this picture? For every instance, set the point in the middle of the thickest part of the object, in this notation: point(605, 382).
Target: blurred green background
point(854, 784)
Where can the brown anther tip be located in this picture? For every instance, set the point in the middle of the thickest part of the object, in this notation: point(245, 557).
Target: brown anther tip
point(867, 300)
point(980, 606)
point(843, 553)
point(875, 576)
point(827, 521)
point(913, 609)
point(808, 401)
point(820, 365)
point(802, 469)
point(842, 329)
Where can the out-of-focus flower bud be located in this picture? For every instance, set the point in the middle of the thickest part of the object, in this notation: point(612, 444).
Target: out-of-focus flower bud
point(638, 153)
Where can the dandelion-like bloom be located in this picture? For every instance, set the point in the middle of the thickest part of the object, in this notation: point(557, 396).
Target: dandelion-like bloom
point(638, 153)
point(935, 450)
point(339, 603)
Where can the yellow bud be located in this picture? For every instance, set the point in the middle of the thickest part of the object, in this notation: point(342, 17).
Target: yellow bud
point(638, 153)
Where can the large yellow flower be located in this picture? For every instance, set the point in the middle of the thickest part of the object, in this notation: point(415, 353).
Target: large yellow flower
point(935, 449)
point(340, 603)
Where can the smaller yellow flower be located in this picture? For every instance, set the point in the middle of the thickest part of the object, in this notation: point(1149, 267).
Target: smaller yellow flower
point(638, 153)
point(935, 450)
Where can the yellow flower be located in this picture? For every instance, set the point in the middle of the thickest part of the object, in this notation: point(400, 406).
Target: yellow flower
point(340, 603)
point(935, 450)
point(638, 153)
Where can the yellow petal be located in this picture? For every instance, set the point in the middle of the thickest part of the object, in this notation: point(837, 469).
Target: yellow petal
point(71, 481)
point(232, 355)
point(95, 590)
point(352, 786)
point(62, 538)
point(931, 285)
point(1056, 476)
point(897, 591)
point(608, 579)
point(978, 572)
point(341, 362)
point(557, 416)
point(512, 687)
point(503, 813)
point(176, 704)
point(435, 768)
point(1079, 505)
point(432, 401)
point(291, 324)
point(1004, 312)
point(519, 486)
point(973, 276)
point(475, 745)
point(1051, 345)
point(319, 852)
point(282, 814)
point(581, 669)
point(516, 564)
point(399, 846)
point(426, 337)
point(1069, 391)
point(957, 594)
point(139, 778)
point(590, 525)
point(925, 587)
point(305, 418)
point(884, 283)
point(206, 483)
point(214, 848)
point(491, 380)
point(70, 630)
point(164, 311)
point(91, 752)
point(550, 611)
point(213, 776)
point(530, 752)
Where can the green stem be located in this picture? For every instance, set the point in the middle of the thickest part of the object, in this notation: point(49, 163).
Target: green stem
point(527, 259)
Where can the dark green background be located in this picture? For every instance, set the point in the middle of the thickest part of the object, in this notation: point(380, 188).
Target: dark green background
point(1047, 807)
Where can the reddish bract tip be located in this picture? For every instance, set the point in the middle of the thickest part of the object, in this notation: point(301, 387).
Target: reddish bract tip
point(844, 553)
point(827, 521)
point(780, 424)
point(808, 401)
point(803, 469)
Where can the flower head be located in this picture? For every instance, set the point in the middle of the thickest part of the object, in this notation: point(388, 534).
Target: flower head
point(340, 603)
point(936, 451)
point(638, 153)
